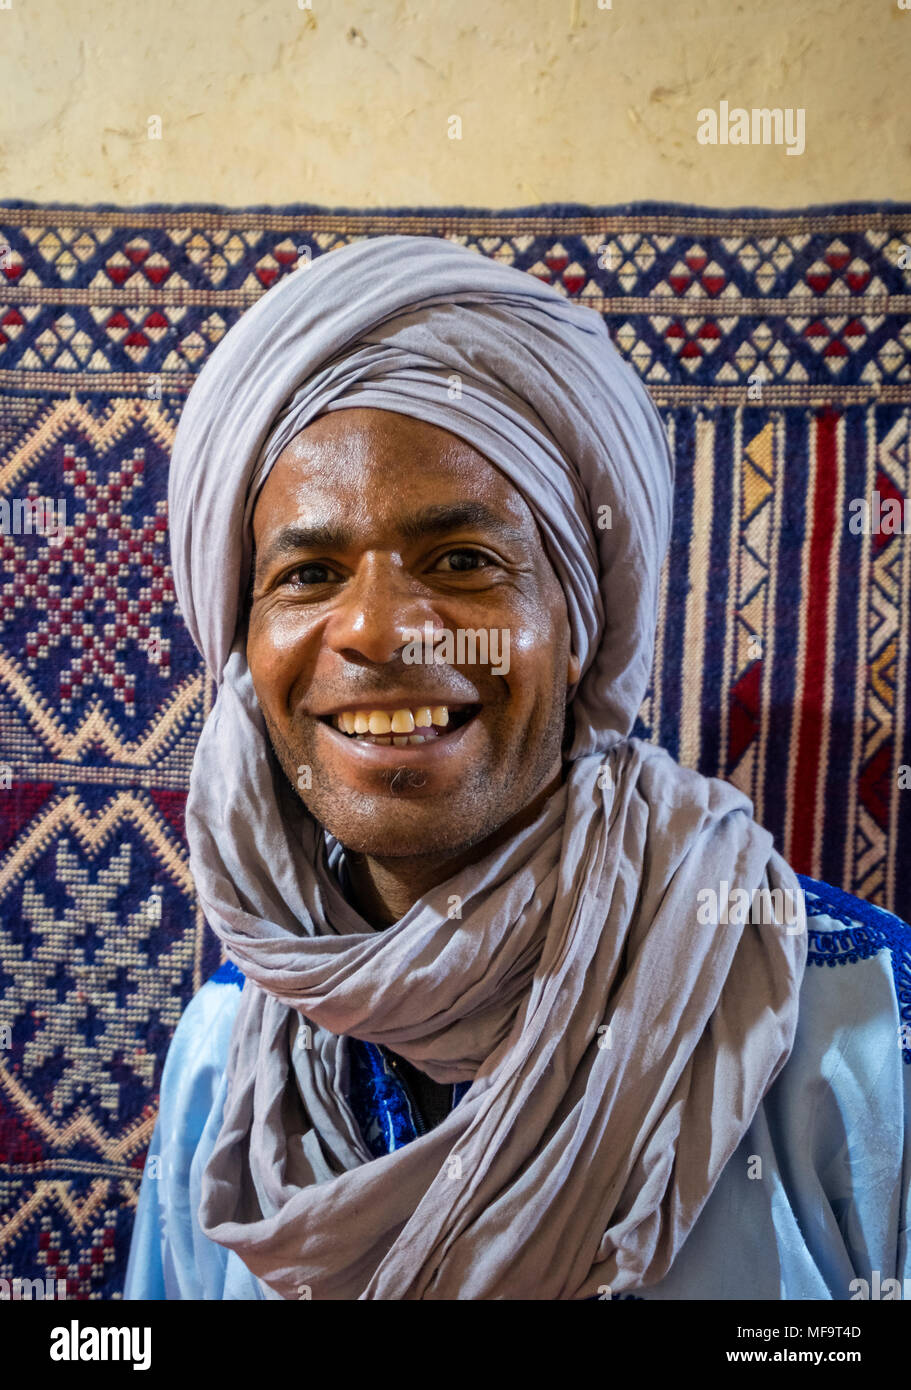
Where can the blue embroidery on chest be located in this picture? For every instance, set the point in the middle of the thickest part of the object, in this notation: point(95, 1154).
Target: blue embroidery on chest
point(867, 930)
point(385, 1112)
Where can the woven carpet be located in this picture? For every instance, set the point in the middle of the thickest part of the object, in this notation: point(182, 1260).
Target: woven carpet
point(778, 348)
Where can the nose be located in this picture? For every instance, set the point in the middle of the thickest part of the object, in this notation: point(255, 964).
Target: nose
point(377, 613)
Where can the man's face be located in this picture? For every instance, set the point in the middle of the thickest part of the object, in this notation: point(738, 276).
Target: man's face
point(370, 525)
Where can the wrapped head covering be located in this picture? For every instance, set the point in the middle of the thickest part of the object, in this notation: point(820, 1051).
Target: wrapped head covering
point(618, 1040)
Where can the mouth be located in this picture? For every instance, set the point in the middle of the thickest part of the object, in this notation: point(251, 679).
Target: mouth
point(401, 727)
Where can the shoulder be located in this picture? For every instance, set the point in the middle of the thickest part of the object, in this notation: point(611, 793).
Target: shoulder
point(198, 1053)
point(853, 1038)
point(846, 934)
point(836, 912)
point(671, 790)
point(169, 1256)
point(214, 1005)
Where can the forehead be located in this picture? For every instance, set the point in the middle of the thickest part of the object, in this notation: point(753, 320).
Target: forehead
point(374, 465)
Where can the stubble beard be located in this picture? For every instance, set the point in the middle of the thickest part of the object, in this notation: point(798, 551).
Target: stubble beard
point(356, 820)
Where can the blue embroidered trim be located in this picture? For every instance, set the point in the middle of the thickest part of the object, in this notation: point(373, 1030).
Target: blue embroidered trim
point(868, 930)
point(380, 1103)
point(386, 1113)
point(228, 974)
point(845, 907)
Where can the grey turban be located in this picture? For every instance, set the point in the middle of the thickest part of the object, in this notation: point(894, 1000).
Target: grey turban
point(577, 1166)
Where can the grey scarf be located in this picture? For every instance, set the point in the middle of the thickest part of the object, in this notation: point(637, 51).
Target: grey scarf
point(618, 1045)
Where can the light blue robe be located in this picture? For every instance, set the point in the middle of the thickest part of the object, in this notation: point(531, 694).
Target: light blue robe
point(814, 1202)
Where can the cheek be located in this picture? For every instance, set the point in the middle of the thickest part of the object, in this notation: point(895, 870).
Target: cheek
point(282, 629)
point(281, 649)
point(535, 636)
point(528, 642)
point(535, 653)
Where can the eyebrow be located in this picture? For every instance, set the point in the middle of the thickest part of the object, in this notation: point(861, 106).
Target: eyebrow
point(437, 520)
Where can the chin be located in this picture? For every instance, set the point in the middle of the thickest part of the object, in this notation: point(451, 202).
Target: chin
point(401, 832)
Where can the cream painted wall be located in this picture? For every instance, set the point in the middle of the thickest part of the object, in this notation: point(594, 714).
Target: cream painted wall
point(348, 104)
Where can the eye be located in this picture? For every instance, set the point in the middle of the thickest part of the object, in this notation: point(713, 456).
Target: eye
point(314, 572)
point(463, 560)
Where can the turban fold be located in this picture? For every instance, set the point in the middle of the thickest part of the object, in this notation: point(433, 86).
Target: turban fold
point(568, 1165)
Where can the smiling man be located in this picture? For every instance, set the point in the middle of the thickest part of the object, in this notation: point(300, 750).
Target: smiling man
point(490, 1042)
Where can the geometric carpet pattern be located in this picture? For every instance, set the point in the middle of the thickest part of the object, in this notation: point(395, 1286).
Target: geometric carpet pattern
point(778, 348)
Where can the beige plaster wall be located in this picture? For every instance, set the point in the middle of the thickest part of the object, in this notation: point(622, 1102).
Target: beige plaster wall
point(348, 102)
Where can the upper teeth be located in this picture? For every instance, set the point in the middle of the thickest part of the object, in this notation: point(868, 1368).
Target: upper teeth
point(400, 721)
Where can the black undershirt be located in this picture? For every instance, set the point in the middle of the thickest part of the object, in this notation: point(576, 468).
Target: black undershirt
point(433, 1099)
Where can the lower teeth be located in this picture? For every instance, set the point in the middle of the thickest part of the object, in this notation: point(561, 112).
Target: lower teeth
point(400, 742)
